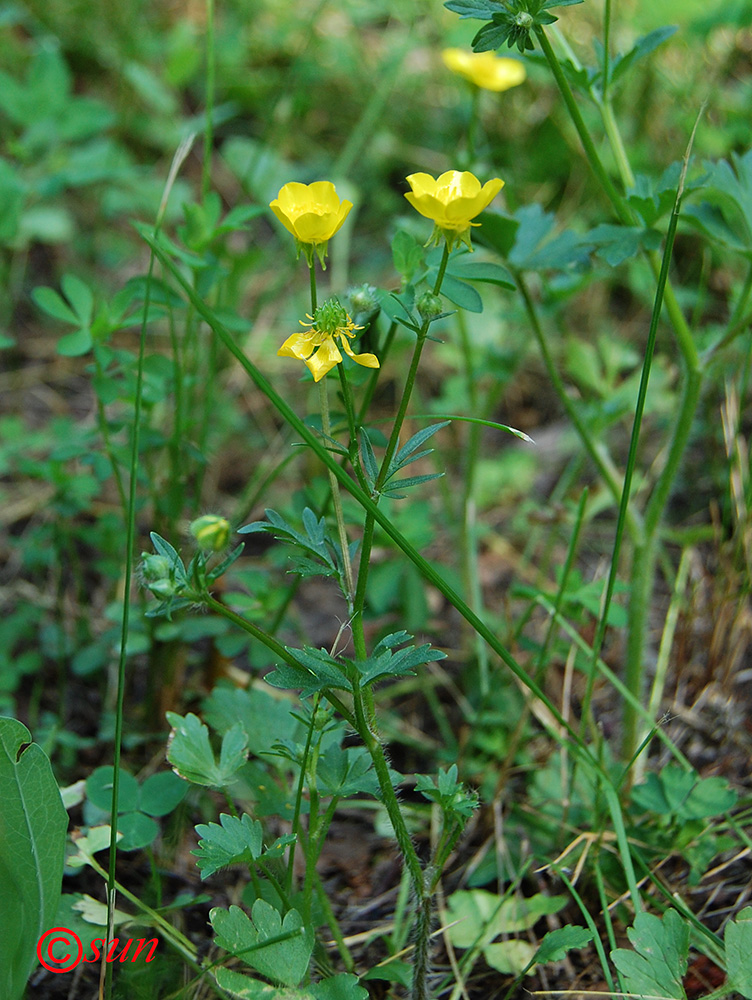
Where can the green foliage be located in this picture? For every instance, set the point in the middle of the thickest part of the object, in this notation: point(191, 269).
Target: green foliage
point(192, 757)
point(681, 796)
point(31, 853)
point(138, 804)
point(234, 841)
point(482, 917)
point(658, 963)
point(279, 949)
point(738, 941)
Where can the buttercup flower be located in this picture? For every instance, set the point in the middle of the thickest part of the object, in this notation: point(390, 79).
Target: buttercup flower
point(317, 347)
point(451, 202)
point(313, 213)
point(485, 69)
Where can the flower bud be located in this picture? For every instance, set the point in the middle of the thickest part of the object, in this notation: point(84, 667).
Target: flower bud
point(154, 568)
point(211, 532)
point(364, 304)
point(429, 306)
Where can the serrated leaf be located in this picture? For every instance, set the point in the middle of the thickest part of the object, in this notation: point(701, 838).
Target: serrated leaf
point(658, 963)
point(615, 244)
point(263, 717)
point(284, 961)
point(344, 772)
point(191, 755)
point(232, 841)
point(322, 665)
point(384, 663)
point(556, 943)
point(738, 941)
point(535, 249)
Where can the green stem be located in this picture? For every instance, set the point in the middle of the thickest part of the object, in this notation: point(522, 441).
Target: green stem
point(314, 298)
point(410, 381)
point(337, 501)
point(622, 209)
point(209, 128)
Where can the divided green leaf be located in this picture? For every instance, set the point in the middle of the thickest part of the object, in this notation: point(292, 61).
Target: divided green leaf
point(192, 757)
point(738, 941)
point(278, 949)
point(658, 963)
point(233, 841)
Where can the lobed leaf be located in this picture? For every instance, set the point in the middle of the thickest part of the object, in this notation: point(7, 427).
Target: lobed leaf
point(192, 757)
point(658, 963)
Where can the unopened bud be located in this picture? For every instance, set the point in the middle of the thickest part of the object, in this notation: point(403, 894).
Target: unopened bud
point(429, 306)
point(211, 531)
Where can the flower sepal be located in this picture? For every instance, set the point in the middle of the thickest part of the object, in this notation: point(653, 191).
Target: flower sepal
point(312, 250)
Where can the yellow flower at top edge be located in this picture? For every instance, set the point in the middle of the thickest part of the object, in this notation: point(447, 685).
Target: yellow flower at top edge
point(451, 201)
point(313, 213)
point(485, 69)
point(317, 346)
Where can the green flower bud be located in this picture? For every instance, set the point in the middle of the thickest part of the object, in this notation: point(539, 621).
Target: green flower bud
point(154, 567)
point(429, 306)
point(211, 532)
point(164, 588)
point(364, 304)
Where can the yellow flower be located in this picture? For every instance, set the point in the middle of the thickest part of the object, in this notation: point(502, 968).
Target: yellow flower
point(331, 321)
point(313, 213)
point(484, 69)
point(451, 202)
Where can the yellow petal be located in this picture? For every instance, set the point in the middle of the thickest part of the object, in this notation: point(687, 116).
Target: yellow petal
point(313, 213)
point(367, 360)
point(326, 358)
point(299, 345)
point(485, 69)
point(453, 199)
